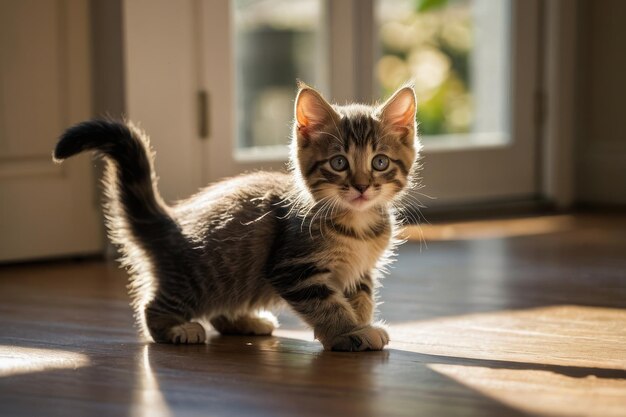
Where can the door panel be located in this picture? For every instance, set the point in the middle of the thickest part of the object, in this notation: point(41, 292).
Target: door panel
point(45, 209)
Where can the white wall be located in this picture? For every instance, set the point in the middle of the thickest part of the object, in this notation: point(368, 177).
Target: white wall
point(601, 146)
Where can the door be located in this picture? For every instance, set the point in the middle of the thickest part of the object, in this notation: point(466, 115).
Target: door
point(474, 64)
point(46, 209)
point(213, 82)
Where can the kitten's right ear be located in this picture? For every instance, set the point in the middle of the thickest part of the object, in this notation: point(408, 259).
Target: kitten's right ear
point(398, 112)
point(312, 111)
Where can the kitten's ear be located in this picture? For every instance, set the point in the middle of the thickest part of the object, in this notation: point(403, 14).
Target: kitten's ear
point(398, 112)
point(312, 111)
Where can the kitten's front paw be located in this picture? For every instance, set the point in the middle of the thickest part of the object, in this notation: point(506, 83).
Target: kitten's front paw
point(365, 338)
point(188, 333)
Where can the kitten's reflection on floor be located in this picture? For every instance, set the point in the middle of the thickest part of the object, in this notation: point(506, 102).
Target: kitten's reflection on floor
point(245, 372)
point(148, 398)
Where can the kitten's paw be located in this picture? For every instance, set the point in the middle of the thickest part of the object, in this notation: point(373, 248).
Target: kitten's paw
point(365, 338)
point(187, 333)
point(246, 325)
point(259, 326)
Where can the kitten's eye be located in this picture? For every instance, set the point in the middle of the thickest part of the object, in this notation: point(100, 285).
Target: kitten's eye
point(380, 162)
point(339, 163)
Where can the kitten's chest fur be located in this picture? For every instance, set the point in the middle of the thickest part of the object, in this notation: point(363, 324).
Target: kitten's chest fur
point(356, 248)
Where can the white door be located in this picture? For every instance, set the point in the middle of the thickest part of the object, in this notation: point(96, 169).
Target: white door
point(161, 67)
point(46, 210)
point(473, 61)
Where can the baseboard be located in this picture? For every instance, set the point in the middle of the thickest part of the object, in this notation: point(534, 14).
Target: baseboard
point(495, 209)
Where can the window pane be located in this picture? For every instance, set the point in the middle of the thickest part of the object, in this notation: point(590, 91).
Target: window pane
point(277, 42)
point(457, 54)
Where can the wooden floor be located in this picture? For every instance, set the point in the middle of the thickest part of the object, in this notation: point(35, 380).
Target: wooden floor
point(500, 318)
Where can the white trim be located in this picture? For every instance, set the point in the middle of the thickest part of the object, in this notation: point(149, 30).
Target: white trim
point(465, 141)
point(351, 50)
point(342, 50)
point(278, 153)
point(560, 89)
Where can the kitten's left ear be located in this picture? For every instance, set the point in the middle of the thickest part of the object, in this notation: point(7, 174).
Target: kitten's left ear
point(398, 112)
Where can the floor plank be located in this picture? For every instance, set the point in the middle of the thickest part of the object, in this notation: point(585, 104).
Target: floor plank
point(506, 318)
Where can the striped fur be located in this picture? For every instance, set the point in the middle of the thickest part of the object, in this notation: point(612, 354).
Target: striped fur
point(252, 243)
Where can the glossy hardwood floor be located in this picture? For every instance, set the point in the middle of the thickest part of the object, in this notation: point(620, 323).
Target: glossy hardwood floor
point(500, 318)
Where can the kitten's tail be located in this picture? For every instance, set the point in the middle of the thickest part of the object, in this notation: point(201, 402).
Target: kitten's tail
point(134, 205)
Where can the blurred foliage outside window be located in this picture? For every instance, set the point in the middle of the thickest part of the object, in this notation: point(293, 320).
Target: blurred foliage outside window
point(431, 43)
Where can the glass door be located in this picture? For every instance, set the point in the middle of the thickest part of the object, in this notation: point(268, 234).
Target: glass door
point(473, 63)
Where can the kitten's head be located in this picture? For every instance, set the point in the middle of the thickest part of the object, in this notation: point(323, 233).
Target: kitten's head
point(357, 157)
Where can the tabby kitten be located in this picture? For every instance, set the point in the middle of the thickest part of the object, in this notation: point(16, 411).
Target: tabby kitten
point(315, 238)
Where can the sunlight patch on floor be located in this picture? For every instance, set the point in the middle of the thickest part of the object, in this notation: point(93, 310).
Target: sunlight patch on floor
point(563, 360)
point(16, 360)
point(557, 360)
point(148, 398)
point(542, 392)
point(490, 229)
point(566, 335)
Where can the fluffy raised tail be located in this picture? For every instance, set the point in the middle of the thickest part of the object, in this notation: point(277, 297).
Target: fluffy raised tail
point(139, 222)
point(129, 180)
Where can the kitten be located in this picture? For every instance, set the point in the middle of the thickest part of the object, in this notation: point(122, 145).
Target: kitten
point(316, 238)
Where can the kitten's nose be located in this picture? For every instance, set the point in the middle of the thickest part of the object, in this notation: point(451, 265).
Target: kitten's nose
point(361, 187)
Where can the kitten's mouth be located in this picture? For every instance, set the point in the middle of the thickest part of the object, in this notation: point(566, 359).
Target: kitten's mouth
point(360, 201)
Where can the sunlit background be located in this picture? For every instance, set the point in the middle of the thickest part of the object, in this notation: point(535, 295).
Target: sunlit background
point(507, 299)
point(455, 52)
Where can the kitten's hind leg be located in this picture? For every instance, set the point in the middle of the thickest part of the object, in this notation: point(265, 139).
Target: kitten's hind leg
point(168, 325)
point(250, 324)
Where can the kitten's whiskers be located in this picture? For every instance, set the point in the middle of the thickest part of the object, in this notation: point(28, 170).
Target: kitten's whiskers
point(311, 207)
point(319, 212)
